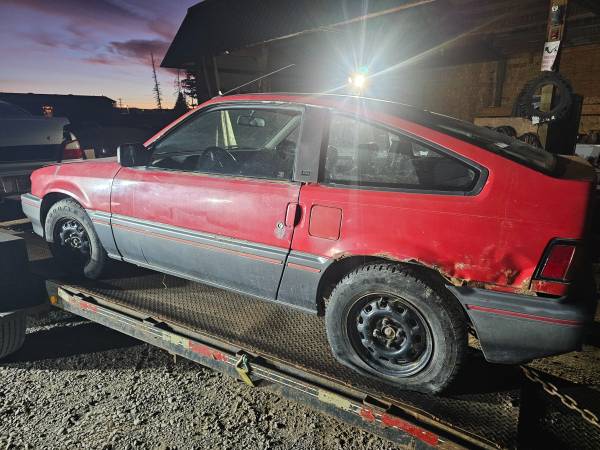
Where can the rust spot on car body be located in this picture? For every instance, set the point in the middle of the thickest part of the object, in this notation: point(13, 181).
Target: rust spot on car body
point(464, 273)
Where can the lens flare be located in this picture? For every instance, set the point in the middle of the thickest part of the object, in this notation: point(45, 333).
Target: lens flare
point(357, 80)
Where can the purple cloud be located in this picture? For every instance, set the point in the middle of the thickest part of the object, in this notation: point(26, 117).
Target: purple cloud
point(140, 49)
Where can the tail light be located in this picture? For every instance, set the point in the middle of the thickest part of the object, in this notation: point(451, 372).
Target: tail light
point(71, 147)
point(559, 262)
point(557, 268)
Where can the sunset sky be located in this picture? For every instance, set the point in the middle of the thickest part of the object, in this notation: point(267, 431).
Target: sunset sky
point(90, 47)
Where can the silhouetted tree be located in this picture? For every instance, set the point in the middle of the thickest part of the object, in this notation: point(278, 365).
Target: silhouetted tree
point(181, 106)
point(156, 89)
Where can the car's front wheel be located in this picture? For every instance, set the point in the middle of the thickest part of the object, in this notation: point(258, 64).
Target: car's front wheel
point(73, 240)
point(387, 322)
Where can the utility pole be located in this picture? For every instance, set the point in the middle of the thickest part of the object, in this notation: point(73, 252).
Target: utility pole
point(156, 84)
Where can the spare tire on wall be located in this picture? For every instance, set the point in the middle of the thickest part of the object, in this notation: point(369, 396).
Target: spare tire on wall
point(525, 105)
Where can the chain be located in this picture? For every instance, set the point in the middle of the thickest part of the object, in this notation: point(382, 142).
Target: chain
point(565, 399)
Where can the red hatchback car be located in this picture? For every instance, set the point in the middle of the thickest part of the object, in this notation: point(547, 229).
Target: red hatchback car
point(407, 229)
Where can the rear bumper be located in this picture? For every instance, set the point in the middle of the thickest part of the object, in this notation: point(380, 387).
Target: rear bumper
point(15, 177)
point(14, 184)
point(516, 328)
point(31, 206)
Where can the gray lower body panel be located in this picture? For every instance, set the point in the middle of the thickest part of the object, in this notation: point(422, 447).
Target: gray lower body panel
point(300, 282)
point(517, 328)
point(101, 221)
point(241, 266)
point(31, 206)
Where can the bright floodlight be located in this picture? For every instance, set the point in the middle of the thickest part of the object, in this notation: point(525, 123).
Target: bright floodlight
point(357, 80)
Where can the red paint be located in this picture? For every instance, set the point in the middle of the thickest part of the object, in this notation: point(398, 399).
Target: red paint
point(550, 287)
point(206, 351)
point(245, 209)
point(325, 222)
point(496, 237)
point(367, 414)
point(413, 430)
point(88, 182)
point(290, 214)
point(504, 312)
point(88, 306)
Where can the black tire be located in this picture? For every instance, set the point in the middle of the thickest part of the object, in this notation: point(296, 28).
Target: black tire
point(413, 302)
point(12, 333)
point(88, 260)
point(531, 139)
point(507, 130)
point(524, 106)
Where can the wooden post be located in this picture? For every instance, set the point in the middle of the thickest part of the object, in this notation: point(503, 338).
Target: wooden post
point(499, 82)
point(216, 74)
point(554, 32)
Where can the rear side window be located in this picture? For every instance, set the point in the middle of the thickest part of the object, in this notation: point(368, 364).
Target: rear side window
point(361, 154)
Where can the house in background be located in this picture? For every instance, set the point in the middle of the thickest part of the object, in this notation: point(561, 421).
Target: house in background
point(77, 108)
point(95, 119)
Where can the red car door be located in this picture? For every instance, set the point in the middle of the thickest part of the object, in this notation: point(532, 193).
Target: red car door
point(212, 203)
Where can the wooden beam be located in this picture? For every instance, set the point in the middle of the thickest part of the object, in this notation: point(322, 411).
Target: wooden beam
point(396, 9)
point(591, 5)
point(499, 82)
point(554, 32)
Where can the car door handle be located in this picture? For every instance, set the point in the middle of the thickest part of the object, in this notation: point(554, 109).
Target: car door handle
point(292, 215)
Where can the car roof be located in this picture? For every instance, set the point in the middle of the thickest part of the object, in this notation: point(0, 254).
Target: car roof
point(349, 103)
point(317, 99)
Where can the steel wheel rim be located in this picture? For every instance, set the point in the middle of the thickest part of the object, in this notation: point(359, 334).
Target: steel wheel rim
point(72, 238)
point(389, 334)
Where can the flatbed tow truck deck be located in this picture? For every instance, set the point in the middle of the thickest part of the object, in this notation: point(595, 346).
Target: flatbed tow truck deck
point(277, 348)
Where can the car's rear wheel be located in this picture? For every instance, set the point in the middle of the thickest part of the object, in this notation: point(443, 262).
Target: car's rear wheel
point(388, 322)
point(73, 240)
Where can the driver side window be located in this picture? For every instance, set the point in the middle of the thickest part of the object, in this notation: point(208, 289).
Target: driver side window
point(257, 143)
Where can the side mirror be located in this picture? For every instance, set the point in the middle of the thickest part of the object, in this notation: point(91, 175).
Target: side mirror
point(132, 155)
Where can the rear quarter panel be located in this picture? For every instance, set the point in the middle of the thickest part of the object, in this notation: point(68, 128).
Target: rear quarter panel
point(496, 236)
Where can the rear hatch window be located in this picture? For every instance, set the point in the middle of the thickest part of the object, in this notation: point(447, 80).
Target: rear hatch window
point(511, 148)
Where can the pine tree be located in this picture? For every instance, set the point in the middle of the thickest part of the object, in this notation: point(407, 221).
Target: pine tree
point(193, 87)
point(156, 89)
point(181, 106)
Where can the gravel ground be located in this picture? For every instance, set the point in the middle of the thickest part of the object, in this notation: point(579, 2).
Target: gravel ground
point(65, 389)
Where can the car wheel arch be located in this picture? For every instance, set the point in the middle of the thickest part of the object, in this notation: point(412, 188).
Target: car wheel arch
point(341, 267)
point(49, 200)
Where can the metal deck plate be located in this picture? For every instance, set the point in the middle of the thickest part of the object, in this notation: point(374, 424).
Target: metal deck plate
point(299, 339)
point(484, 403)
